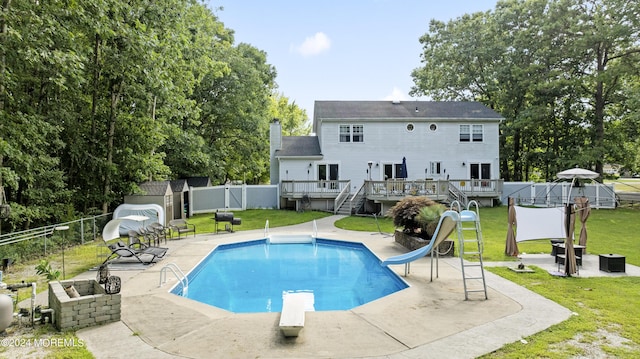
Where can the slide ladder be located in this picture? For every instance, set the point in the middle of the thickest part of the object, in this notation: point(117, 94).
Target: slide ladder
point(470, 243)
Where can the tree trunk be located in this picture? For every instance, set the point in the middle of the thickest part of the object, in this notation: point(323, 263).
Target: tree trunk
point(116, 91)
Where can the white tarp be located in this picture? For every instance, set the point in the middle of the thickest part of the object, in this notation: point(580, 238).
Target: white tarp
point(539, 223)
point(153, 212)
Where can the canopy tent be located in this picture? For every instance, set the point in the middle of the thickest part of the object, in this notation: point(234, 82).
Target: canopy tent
point(576, 173)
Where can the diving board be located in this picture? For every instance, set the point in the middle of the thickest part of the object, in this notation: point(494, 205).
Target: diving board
point(446, 226)
point(294, 306)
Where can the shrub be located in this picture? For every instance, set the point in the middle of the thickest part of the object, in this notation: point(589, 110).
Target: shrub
point(429, 217)
point(405, 213)
point(44, 269)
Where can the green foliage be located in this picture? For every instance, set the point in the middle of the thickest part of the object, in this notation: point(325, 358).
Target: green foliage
point(293, 119)
point(44, 269)
point(561, 72)
point(429, 217)
point(98, 97)
point(406, 211)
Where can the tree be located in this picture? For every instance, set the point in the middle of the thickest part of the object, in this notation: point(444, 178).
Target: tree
point(294, 119)
point(552, 68)
point(234, 117)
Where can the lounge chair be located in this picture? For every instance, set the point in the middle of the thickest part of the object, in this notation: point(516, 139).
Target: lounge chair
point(446, 225)
point(112, 231)
point(121, 250)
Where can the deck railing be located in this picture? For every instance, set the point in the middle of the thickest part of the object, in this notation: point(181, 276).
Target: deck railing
point(392, 189)
point(395, 188)
point(312, 187)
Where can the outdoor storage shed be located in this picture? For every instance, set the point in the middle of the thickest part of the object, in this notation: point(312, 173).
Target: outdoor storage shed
point(154, 192)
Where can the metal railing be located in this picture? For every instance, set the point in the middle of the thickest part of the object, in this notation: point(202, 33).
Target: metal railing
point(77, 231)
point(178, 273)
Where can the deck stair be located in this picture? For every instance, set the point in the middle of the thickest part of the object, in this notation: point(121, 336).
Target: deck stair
point(456, 195)
point(353, 203)
point(470, 243)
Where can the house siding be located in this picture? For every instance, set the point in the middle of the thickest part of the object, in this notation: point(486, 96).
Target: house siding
point(389, 142)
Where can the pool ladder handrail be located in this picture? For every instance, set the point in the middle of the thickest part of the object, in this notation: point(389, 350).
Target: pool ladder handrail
point(266, 229)
point(184, 280)
point(315, 229)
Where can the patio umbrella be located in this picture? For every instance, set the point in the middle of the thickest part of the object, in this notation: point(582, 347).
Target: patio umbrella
point(403, 169)
point(585, 210)
point(569, 252)
point(576, 173)
point(511, 248)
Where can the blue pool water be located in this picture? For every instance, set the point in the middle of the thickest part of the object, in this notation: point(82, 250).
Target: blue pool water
point(251, 277)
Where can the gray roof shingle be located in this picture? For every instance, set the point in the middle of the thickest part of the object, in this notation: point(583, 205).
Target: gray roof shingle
point(154, 188)
point(403, 110)
point(299, 146)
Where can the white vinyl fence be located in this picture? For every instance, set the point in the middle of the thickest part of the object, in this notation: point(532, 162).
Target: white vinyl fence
point(232, 198)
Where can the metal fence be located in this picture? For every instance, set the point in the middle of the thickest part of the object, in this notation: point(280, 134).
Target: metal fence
point(48, 239)
point(553, 194)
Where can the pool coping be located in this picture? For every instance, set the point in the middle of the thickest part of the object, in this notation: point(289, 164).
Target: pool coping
point(429, 319)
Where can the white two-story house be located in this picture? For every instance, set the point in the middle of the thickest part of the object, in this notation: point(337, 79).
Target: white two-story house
point(366, 155)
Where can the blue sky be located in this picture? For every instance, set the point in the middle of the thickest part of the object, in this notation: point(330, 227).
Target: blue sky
point(340, 49)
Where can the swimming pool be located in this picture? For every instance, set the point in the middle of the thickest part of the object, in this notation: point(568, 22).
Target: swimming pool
point(250, 277)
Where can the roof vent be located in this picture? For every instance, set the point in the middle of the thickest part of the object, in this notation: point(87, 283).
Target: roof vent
point(395, 102)
point(417, 109)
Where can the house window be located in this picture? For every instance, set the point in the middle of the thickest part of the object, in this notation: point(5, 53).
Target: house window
point(345, 133)
point(471, 133)
point(351, 133)
point(358, 133)
point(435, 168)
point(465, 133)
point(477, 131)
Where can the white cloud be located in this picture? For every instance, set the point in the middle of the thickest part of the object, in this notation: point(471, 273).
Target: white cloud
point(396, 95)
point(313, 45)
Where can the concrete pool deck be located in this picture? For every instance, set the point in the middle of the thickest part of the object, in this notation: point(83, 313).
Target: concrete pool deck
point(427, 320)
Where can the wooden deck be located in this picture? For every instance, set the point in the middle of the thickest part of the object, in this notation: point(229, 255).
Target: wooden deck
point(389, 191)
